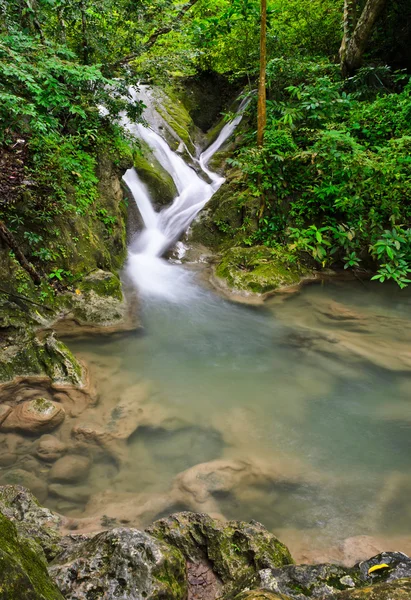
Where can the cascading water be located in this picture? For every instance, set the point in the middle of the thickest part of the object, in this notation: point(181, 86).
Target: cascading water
point(153, 275)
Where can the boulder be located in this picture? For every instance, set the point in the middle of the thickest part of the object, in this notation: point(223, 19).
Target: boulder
point(74, 494)
point(5, 410)
point(37, 486)
point(398, 567)
point(33, 522)
point(23, 568)
point(50, 448)
point(260, 595)
point(236, 550)
point(121, 563)
point(398, 590)
point(300, 581)
point(34, 417)
point(70, 468)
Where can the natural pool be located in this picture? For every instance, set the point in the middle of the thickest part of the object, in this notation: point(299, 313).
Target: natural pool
point(296, 414)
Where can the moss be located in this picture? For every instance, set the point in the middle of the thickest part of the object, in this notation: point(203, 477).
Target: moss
point(158, 180)
point(103, 283)
point(23, 570)
point(23, 354)
point(172, 110)
point(257, 269)
point(228, 217)
point(236, 550)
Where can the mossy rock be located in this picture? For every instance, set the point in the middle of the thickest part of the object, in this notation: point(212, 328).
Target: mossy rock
point(301, 581)
point(236, 550)
point(226, 219)
point(257, 269)
point(171, 108)
point(260, 595)
point(397, 590)
point(159, 182)
point(33, 522)
point(121, 563)
point(22, 354)
point(23, 567)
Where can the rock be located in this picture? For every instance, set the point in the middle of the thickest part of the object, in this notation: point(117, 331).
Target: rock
point(20, 477)
point(5, 410)
point(257, 269)
point(399, 566)
point(70, 468)
point(260, 595)
point(121, 563)
point(50, 448)
point(34, 417)
point(33, 522)
point(398, 590)
point(76, 494)
point(25, 355)
point(236, 550)
point(7, 459)
point(23, 568)
point(300, 581)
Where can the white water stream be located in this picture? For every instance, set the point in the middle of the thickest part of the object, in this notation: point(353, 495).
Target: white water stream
point(150, 273)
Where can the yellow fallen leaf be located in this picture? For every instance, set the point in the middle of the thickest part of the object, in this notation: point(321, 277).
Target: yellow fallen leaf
point(377, 567)
point(78, 292)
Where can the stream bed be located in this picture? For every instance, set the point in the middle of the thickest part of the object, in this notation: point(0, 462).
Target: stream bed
point(296, 414)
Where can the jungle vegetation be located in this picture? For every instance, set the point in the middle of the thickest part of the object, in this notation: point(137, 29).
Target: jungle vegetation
point(330, 167)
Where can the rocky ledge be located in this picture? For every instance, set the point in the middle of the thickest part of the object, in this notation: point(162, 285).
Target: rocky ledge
point(186, 556)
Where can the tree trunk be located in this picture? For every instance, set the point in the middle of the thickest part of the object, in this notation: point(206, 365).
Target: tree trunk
point(356, 37)
point(84, 34)
point(9, 240)
point(262, 104)
point(262, 94)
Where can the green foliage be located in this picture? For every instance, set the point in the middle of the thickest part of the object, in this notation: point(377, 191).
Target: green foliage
point(335, 170)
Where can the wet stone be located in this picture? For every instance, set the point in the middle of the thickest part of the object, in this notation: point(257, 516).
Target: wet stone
point(20, 477)
point(399, 566)
point(70, 468)
point(50, 448)
point(34, 417)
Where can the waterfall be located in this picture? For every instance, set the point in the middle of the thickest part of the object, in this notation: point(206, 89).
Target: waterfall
point(153, 275)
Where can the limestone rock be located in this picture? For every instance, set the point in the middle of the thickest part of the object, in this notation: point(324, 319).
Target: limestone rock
point(398, 590)
point(7, 459)
point(121, 563)
point(28, 480)
point(236, 550)
point(74, 494)
point(33, 522)
point(300, 581)
point(399, 566)
point(23, 571)
point(34, 417)
point(260, 595)
point(5, 410)
point(50, 448)
point(70, 468)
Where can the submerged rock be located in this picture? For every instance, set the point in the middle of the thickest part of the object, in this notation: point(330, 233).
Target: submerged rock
point(121, 563)
point(34, 417)
point(70, 468)
point(50, 448)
